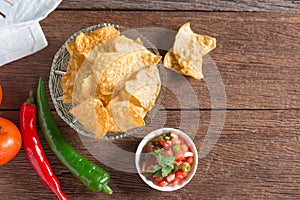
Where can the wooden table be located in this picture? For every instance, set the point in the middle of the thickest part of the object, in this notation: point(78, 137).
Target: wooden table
point(258, 153)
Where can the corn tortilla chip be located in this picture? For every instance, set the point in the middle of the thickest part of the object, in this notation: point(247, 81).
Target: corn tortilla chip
point(112, 80)
point(112, 126)
point(68, 79)
point(145, 86)
point(186, 55)
point(86, 42)
point(123, 64)
point(127, 115)
point(93, 116)
point(171, 62)
point(78, 50)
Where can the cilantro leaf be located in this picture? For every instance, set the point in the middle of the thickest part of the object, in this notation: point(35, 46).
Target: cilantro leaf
point(165, 171)
point(165, 159)
point(155, 168)
point(165, 163)
point(156, 151)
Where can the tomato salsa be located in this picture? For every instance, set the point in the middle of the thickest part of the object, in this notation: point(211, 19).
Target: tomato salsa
point(167, 159)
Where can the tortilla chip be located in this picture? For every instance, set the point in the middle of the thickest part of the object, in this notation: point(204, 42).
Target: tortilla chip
point(86, 42)
point(93, 116)
point(104, 98)
point(124, 44)
point(84, 85)
point(68, 79)
point(145, 86)
point(171, 62)
point(112, 126)
point(186, 55)
point(112, 80)
point(125, 96)
point(121, 67)
point(139, 41)
point(127, 115)
point(78, 50)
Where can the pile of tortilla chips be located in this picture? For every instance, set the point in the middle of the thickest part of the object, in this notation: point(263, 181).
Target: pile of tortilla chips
point(112, 80)
point(186, 56)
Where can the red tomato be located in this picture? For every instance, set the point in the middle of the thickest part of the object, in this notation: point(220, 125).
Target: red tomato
point(170, 177)
point(168, 151)
point(163, 143)
point(179, 156)
point(150, 148)
point(190, 160)
point(178, 163)
point(184, 148)
point(175, 181)
point(10, 140)
point(180, 174)
point(163, 183)
point(157, 180)
point(174, 140)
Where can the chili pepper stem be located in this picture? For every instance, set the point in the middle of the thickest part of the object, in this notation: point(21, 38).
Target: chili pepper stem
point(107, 189)
point(30, 99)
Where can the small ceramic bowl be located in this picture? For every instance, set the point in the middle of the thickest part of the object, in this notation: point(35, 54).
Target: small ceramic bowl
point(152, 135)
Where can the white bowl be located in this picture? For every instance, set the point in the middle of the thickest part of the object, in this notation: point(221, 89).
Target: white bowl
point(149, 137)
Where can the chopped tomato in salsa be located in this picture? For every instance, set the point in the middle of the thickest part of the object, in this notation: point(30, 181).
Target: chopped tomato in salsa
point(167, 159)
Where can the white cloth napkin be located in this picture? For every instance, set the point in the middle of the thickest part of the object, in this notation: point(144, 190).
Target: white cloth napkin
point(20, 31)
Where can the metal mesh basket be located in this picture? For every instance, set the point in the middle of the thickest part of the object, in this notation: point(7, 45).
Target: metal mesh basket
point(59, 68)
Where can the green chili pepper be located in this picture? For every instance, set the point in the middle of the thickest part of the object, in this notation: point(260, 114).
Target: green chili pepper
point(150, 143)
point(167, 137)
point(91, 175)
point(175, 168)
point(176, 148)
point(186, 167)
point(158, 138)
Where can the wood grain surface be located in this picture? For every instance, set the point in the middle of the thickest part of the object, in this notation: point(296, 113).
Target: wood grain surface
point(255, 55)
point(257, 155)
point(189, 5)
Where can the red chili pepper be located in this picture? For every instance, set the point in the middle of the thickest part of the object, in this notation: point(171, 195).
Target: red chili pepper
point(34, 149)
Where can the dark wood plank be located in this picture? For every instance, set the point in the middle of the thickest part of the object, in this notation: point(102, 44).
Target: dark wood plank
point(257, 156)
point(255, 55)
point(209, 5)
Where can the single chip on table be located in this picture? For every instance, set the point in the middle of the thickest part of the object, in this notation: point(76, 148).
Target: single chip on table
point(186, 55)
point(171, 62)
point(93, 116)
